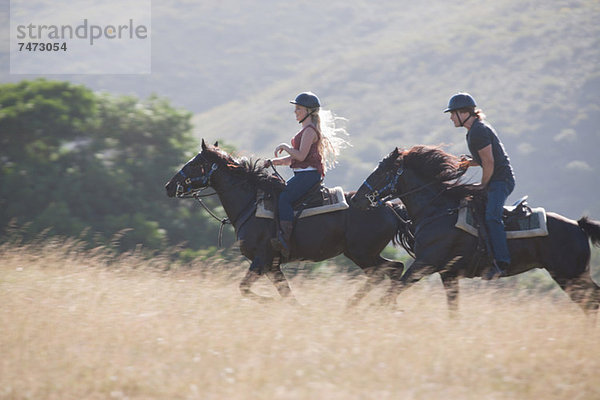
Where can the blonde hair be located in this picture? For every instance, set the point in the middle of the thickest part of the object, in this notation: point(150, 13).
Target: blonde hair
point(479, 113)
point(476, 112)
point(333, 136)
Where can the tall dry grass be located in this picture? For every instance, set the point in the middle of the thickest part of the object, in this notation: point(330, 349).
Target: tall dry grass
point(78, 324)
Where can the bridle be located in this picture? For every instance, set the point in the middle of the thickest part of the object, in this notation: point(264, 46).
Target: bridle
point(196, 194)
point(378, 197)
point(204, 180)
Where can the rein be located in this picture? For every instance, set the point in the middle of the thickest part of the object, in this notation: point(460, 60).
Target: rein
point(223, 221)
point(417, 190)
point(275, 170)
point(375, 196)
point(196, 194)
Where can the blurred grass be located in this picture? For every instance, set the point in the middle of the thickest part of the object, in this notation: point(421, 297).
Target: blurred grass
point(78, 324)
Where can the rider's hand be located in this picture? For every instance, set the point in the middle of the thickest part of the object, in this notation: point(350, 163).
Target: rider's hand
point(281, 148)
point(268, 162)
point(465, 162)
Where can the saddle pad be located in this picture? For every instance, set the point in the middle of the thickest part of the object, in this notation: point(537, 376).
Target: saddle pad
point(339, 204)
point(531, 226)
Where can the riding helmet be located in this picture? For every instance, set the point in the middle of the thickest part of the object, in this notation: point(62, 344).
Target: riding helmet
point(460, 100)
point(307, 99)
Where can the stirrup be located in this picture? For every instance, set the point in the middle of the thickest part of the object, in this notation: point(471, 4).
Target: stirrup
point(494, 272)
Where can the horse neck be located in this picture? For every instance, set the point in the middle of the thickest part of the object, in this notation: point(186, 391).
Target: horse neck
point(233, 193)
point(422, 199)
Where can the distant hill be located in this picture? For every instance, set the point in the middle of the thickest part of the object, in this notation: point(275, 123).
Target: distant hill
point(389, 67)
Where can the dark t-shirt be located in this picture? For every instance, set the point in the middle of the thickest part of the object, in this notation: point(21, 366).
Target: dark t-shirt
point(479, 136)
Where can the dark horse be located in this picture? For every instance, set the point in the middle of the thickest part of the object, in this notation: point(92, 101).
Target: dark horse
point(360, 235)
point(426, 180)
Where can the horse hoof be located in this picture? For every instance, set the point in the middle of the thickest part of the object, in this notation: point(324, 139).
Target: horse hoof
point(292, 302)
point(493, 274)
point(350, 306)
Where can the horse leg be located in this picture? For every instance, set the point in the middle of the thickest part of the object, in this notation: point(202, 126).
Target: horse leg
point(375, 268)
point(252, 276)
point(583, 291)
point(450, 282)
point(374, 277)
point(376, 274)
point(413, 274)
point(395, 271)
point(281, 283)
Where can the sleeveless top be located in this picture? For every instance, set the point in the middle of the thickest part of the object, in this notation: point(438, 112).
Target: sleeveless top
point(313, 158)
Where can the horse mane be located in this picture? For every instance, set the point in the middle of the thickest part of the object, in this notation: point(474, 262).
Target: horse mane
point(433, 164)
point(251, 170)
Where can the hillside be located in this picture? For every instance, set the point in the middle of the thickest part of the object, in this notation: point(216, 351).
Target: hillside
point(389, 67)
point(534, 73)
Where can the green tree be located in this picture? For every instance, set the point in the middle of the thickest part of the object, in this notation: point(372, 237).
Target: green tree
point(72, 159)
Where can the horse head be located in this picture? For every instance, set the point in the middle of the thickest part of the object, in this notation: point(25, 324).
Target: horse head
point(381, 183)
point(195, 174)
point(421, 173)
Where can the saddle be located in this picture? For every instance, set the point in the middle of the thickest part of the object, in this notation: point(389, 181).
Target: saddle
point(318, 200)
point(520, 220)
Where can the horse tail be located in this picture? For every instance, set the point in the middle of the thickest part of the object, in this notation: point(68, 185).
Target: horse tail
point(591, 229)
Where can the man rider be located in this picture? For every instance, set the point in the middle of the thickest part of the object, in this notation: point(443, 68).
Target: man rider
point(497, 176)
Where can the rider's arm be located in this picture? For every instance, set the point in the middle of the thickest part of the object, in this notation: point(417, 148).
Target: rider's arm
point(308, 138)
point(286, 160)
point(487, 164)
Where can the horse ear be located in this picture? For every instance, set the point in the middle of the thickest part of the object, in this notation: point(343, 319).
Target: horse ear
point(203, 145)
point(395, 153)
point(217, 143)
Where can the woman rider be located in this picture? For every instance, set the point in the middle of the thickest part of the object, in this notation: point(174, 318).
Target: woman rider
point(312, 151)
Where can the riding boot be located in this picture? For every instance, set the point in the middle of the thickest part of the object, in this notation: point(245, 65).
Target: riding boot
point(497, 270)
point(283, 241)
point(285, 237)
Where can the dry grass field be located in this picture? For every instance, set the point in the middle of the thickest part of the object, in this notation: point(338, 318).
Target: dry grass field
point(82, 325)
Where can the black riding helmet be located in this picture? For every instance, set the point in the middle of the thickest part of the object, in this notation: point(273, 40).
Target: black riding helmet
point(459, 101)
point(307, 99)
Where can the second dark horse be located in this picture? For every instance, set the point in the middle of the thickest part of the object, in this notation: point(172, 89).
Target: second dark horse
point(424, 179)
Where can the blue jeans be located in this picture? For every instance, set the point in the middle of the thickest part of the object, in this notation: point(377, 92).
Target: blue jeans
point(295, 188)
point(498, 192)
